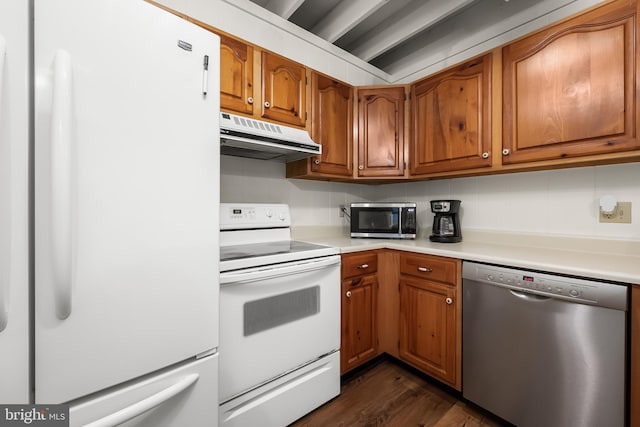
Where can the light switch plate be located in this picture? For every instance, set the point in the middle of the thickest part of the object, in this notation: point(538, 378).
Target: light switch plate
point(621, 214)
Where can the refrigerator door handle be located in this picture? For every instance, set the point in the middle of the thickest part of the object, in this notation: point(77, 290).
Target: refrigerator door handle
point(4, 315)
point(61, 183)
point(145, 405)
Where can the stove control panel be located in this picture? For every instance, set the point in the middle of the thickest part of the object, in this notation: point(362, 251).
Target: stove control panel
point(242, 216)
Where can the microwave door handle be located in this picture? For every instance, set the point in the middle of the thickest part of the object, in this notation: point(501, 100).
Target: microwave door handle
point(255, 274)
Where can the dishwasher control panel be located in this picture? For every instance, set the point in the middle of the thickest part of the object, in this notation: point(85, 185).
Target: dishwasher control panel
point(529, 282)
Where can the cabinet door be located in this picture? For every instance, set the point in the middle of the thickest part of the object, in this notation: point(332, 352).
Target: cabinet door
point(451, 119)
point(359, 331)
point(236, 75)
point(283, 90)
point(332, 126)
point(381, 132)
point(428, 327)
point(570, 90)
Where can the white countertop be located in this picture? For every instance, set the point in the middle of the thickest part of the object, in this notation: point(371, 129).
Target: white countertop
point(615, 260)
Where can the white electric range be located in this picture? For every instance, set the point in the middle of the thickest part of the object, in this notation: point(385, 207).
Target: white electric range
point(279, 318)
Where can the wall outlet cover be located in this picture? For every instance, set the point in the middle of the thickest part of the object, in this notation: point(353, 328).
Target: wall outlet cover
point(621, 214)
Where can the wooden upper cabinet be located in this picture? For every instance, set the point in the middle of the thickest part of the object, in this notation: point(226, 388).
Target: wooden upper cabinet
point(381, 132)
point(331, 127)
point(284, 90)
point(236, 75)
point(570, 90)
point(451, 119)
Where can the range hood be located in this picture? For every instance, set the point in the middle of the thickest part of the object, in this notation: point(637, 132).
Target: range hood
point(257, 139)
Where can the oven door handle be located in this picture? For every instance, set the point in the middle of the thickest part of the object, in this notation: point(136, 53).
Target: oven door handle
point(279, 270)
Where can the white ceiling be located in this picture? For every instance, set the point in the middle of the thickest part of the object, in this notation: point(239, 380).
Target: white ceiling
point(372, 30)
point(408, 38)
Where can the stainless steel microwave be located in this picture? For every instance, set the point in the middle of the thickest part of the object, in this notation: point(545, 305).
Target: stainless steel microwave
point(383, 220)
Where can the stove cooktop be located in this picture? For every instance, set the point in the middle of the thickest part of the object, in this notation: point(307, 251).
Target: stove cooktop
point(234, 257)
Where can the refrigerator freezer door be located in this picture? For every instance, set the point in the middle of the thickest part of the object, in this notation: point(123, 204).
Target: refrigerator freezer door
point(14, 217)
point(182, 396)
point(126, 193)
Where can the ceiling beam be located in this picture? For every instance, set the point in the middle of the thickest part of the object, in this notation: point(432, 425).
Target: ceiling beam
point(283, 8)
point(344, 17)
point(423, 17)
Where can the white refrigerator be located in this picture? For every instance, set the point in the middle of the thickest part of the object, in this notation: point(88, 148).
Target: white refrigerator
point(114, 196)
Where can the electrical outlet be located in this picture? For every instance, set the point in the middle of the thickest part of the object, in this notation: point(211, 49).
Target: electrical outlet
point(342, 208)
point(621, 214)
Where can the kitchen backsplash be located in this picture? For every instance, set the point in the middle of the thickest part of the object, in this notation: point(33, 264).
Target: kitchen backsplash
point(559, 202)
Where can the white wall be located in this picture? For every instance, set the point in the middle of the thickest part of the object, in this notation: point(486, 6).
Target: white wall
point(561, 202)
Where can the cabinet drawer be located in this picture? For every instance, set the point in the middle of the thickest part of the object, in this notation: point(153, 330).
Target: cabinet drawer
point(429, 267)
point(359, 263)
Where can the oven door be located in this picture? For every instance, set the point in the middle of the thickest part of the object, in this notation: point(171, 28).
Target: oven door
point(275, 319)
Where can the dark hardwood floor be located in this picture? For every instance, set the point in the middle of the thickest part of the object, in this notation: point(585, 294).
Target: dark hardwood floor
point(384, 393)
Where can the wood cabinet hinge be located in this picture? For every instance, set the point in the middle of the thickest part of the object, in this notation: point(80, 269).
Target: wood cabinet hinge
point(306, 80)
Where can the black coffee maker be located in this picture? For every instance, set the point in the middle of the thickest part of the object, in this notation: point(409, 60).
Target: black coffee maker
point(446, 223)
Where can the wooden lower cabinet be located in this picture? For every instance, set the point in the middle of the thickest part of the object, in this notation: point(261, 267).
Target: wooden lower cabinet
point(359, 331)
point(406, 305)
point(430, 316)
point(359, 334)
point(635, 357)
point(428, 327)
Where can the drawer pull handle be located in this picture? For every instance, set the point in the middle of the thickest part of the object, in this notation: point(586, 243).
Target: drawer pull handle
point(425, 269)
point(363, 266)
point(449, 301)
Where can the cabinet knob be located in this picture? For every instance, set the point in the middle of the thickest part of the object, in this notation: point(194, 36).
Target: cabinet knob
point(505, 152)
point(250, 100)
point(348, 294)
point(266, 104)
point(316, 161)
point(360, 167)
point(485, 155)
point(425, 269)
point(449, 301)
point(363, 266)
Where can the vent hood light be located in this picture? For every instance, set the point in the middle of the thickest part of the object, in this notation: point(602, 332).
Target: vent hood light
point(257, 139)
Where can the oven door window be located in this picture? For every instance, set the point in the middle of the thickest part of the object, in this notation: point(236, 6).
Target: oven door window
point(268, 313)
point(377, 220)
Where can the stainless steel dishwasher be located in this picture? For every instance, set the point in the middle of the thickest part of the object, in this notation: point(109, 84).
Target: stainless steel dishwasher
point(544, 350)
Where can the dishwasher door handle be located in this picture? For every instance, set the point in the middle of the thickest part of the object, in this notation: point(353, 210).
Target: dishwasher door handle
point(529, 297)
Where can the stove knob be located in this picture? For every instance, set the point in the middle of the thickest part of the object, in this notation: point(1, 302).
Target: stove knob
point(281, 216)
point(268, 213)
point(574, 293)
